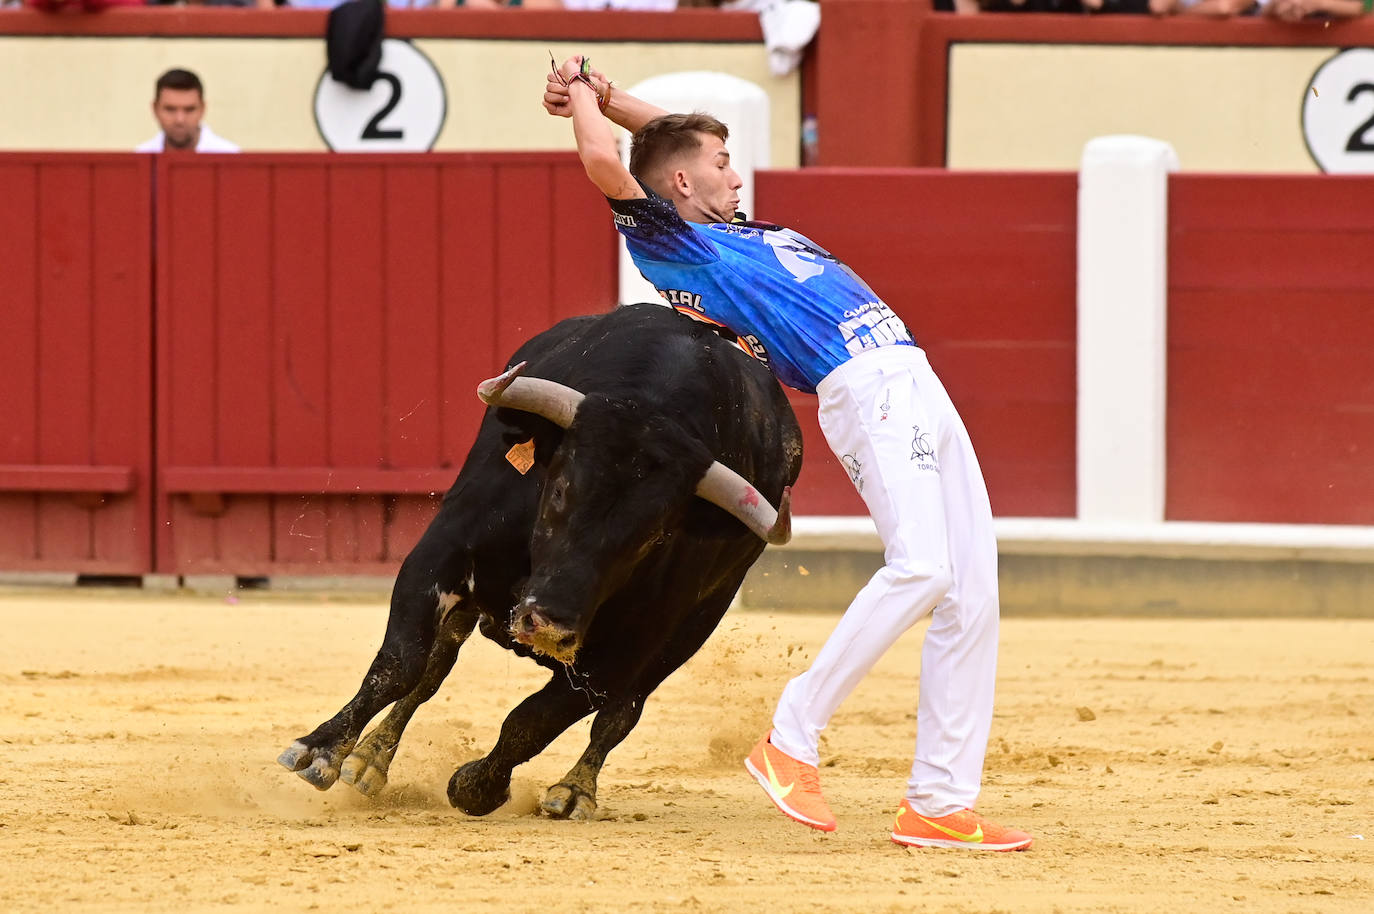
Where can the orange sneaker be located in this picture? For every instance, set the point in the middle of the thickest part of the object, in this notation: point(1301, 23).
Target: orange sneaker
point(964, 828)
point(793, 786)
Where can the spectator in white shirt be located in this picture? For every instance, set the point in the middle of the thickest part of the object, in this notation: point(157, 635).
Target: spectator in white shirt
point(179, 105)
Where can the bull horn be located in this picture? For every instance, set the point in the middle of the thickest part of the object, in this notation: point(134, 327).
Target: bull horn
point(725, 488)
point(721, 486)
point(556, 402)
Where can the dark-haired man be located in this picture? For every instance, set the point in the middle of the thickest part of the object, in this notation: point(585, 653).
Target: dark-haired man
point(885, 415)
point(179, 106)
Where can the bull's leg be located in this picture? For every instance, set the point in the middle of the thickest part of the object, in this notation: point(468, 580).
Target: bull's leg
point(480, 786)
point(367, 765)
point(574, 797)
point(416, 606)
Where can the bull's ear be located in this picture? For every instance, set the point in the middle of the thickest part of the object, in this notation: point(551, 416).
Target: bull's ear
point(725, 488)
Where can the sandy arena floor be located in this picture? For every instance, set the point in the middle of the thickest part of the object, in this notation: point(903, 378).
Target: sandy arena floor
point(1228, 766)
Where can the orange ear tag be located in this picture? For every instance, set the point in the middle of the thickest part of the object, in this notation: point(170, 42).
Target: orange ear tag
point(521, 456)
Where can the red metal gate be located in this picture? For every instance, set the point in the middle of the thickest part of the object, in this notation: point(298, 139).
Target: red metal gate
point(323, 322)
point(76, 372)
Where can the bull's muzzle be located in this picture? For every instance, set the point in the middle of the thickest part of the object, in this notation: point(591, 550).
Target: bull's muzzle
point(543, 635)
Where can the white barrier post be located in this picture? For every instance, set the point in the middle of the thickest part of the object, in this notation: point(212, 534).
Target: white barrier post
point(741, 105)
point(1122, 287)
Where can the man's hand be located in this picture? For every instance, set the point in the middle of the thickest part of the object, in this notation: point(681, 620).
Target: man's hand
point(556, 100)
point(1289, 10)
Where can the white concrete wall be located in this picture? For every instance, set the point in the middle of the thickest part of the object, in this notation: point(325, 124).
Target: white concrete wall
point(1122, 292)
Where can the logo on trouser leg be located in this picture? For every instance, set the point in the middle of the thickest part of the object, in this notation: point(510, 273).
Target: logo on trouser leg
point(922, 451)
point(855, 468)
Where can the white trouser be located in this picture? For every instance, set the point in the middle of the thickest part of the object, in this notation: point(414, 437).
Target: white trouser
point(889, 421)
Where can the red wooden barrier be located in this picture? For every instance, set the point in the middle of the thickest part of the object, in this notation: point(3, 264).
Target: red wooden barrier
point(1271, 327)
point(75, 376)
point(323, 323)
point(982, 269)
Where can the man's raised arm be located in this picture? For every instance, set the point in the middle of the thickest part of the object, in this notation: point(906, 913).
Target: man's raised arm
point(583, 99)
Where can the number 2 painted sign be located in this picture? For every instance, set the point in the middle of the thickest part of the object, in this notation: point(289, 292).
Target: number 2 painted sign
point(1338, 113)
point(402, 112)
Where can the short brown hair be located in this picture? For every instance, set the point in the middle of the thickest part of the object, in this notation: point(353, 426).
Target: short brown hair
point(666, 137)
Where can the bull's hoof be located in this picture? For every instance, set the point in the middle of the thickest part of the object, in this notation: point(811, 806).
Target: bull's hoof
point(474, 791)
point(568, 801)
point(312, 765)
point(365, 775)
point(320, 774)
point(296, 756)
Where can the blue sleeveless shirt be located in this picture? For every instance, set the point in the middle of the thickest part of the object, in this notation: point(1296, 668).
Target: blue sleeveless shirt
point(794, 305)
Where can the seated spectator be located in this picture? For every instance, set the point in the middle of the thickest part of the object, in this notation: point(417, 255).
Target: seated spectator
point(651, 5)
point(1008, 6)
point(1317, 10)
point(89, 6)
point(179, 105)
point(1216, 9)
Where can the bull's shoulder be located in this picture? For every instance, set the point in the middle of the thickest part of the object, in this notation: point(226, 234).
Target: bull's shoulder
point(568, 330)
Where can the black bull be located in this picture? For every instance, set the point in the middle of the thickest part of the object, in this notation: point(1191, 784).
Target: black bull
point(600, 561)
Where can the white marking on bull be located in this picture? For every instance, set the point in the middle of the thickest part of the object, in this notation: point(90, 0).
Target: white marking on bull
point(447, 600)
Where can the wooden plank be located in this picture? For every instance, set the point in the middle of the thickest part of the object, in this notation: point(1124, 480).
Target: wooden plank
point(300, 346)
point(68, 478)
point(468, 295)
point(245, 319)
point(65, 227)
point(413, 346)
point(584, 261)
point(1270, 203)
point(188, 373)
point(1270, 318)
point(1243, 259)
point(19, 367)
point(305, 480)
point(121, 360)
point(1276, 377)
point(188, 310)
point(705, 24)
point(356, 281)
point(523, 219)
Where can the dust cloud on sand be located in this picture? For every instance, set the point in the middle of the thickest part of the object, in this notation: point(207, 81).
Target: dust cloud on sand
point(1222, 764)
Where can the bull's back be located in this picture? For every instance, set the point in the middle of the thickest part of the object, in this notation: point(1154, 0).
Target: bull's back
point(682, 368)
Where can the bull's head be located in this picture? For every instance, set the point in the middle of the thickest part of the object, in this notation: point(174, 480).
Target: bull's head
point(614, 489)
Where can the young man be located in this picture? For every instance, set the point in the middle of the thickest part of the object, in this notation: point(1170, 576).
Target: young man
point(179, 105)
point(885, 415)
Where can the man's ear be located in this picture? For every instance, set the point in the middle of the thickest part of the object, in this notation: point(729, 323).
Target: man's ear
point(681, 183)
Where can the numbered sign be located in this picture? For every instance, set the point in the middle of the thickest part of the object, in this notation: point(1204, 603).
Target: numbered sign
point(402, 112)
point(1338, 113)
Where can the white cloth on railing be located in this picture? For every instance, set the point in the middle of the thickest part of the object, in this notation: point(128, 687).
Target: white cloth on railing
point(788, 27)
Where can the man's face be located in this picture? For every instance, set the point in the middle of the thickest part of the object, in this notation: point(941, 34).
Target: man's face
point(707, 188)
point(178, 112)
